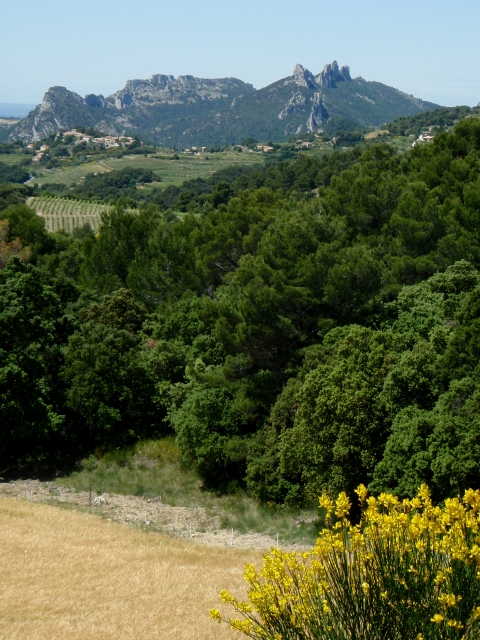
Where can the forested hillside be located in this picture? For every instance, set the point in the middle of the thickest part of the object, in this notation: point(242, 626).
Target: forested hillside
point(293, 343)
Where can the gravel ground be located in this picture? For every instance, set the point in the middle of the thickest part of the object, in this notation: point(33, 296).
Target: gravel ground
point(179, 522)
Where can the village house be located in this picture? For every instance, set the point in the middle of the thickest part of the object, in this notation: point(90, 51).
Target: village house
point(425, 137)
point(110, 142)
point(74, 133)
point(126, 140)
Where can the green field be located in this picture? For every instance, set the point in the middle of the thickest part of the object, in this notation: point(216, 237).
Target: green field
point(169, 171)
point(67, 175)
point(13, 158)
point(61, 213)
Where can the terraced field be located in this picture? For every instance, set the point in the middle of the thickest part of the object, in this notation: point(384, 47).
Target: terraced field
point(61, 213)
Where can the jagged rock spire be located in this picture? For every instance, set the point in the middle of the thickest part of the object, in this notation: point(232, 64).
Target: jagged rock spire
point(331, 74)
point(303, 77)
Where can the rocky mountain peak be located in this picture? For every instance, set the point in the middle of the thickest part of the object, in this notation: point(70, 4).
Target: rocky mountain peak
point(163, 89)
point(331, 74)
point(303, 77)
point(93, 100)
point(185, 110)
point(161, 80)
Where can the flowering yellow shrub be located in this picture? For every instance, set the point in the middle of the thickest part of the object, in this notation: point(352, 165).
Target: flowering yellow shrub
point(409, 570)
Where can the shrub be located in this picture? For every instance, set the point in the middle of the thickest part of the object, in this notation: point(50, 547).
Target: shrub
point(408, 571)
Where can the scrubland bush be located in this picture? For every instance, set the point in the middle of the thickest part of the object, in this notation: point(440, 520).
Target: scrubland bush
point(408, 570)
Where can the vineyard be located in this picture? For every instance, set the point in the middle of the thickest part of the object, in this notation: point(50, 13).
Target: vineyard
point(170, 171)
point(62, 213)
point(67, 174)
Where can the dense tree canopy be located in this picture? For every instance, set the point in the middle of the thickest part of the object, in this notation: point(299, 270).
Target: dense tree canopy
point(293, 343)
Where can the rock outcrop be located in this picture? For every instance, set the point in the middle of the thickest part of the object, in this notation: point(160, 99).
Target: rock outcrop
point(331, 74)
point(95, 101)
point(303, 77)
point(297, 100)
point(161, 89)
point(318, 114)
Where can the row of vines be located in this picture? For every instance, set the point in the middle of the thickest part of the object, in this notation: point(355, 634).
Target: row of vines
point(62, 213)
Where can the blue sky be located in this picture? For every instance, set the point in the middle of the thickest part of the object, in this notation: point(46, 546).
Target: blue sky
point(430, 49)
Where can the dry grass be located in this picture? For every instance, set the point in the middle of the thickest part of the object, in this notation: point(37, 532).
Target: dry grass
point(153, 468)
point(68, 575)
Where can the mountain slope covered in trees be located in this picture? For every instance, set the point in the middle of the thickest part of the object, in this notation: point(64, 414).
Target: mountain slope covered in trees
point(192, 111)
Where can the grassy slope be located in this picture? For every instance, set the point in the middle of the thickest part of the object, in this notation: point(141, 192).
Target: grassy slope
point(66, 174)
point(71, 575)
point(154, 468)
point(186, 167)
point(13, 158)
point(169, 171)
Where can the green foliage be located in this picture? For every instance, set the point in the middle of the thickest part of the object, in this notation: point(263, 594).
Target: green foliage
point(122, 234)
point(303, 173)
point(114, 184)
point(12, 194)
point(443, 117)
point(13, 173)
point(28, 227)
point(166, 267)
point(293, 343)
point(33, 329)
point(110, 391)
point(367, 406)
point(440, 443)
point(208, 429)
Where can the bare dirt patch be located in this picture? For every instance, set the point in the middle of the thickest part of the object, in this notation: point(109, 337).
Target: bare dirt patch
point(197, 524)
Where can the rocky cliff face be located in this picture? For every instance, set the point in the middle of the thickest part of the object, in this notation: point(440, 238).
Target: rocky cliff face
point(331, 75)
point(161, 89)
point(58, 109)
point(302, 77)
point(64, 109)
point(184, 111)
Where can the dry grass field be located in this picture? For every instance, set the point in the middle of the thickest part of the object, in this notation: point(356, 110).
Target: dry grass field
point(66, 575)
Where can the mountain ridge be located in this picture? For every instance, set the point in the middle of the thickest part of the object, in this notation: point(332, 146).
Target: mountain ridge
point(186, 110)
